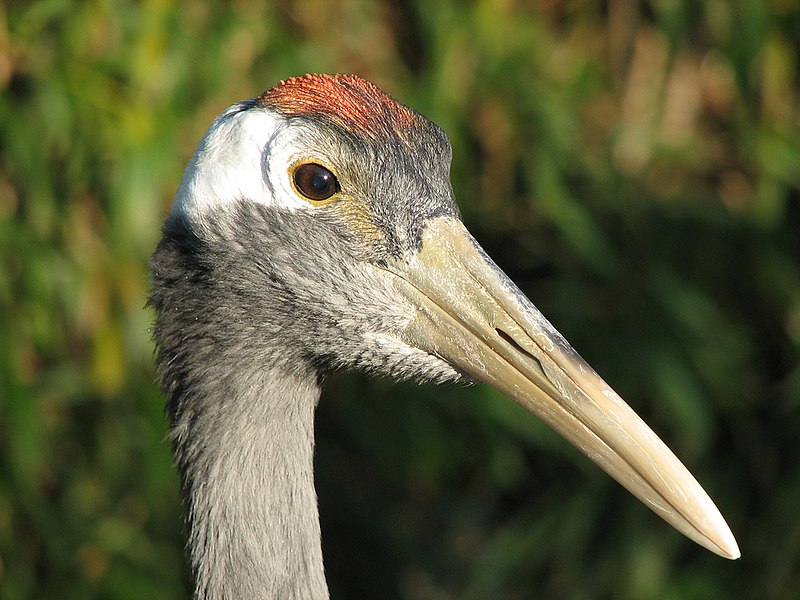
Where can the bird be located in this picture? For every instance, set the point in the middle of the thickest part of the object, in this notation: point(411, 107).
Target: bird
point(315, 229)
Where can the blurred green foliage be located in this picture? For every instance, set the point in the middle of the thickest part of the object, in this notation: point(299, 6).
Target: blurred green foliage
point(635, 167)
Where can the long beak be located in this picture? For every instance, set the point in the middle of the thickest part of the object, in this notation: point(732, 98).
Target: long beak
point(470, 314)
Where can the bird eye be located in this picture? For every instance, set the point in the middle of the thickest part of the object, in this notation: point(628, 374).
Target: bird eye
point(315, 182)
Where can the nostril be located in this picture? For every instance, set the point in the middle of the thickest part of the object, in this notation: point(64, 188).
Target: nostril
point(510, 340)
point(506, 337)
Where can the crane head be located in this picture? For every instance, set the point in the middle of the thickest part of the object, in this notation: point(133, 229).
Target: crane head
point(329, 209)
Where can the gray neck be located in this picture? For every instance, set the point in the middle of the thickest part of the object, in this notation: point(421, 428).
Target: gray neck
point(246, 459)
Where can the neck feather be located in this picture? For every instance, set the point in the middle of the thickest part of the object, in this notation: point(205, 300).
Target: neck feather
point(241, 405)
point(246, 463)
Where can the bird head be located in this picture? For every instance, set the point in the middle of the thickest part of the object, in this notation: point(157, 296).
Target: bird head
point(328, 209)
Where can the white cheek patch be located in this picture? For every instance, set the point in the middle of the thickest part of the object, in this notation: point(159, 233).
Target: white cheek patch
point(242, 156)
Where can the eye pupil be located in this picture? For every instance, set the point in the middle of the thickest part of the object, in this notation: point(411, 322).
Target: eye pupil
point(315, 182)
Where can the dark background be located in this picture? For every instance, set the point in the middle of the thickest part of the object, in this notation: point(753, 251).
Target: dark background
point(633, 166)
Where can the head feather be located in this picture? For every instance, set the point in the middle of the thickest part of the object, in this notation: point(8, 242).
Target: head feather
point(347, 100)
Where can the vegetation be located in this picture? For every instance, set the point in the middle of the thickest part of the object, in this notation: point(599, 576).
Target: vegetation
point(635, 167)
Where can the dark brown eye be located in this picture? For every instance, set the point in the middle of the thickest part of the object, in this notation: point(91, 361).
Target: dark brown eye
point(315, 182)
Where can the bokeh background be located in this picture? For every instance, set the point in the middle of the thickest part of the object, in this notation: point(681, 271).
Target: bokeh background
point(634, 166)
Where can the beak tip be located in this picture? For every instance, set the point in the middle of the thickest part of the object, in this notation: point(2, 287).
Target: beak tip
point(716, 534)
point(730, 549)
point(723, 543)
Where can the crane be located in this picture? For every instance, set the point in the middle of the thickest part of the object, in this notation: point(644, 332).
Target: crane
point(315, 229)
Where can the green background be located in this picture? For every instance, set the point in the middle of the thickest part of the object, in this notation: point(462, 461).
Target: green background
point(635, 167)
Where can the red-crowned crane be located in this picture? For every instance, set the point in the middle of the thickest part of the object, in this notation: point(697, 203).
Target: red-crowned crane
point(315, 229)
